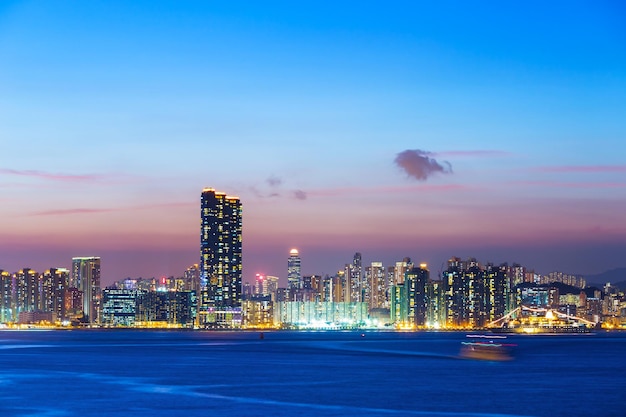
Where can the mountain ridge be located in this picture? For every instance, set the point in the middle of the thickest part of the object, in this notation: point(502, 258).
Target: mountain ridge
point(616, 276)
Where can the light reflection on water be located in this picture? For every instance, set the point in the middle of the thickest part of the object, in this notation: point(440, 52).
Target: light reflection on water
point(137, 373)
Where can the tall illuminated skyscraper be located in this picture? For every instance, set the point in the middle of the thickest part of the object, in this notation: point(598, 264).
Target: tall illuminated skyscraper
point(53, 287)
point(294, 270)
point(26, 291)
point(220, 259)
point(6, 297)
point(376, 294)
point(357, 289)
point(86, 277)
point(415, 283)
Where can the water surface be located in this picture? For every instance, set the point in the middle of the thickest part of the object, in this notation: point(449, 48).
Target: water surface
point(194, 373)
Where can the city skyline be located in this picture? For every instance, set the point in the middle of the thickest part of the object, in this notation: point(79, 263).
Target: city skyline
point(418, 130)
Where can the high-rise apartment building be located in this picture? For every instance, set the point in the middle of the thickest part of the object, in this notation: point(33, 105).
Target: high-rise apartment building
point(435, 306)
point(355, 278)
point(192, 278)
point(220, 259)
point(376, 293)
point(86, 278)
point(497, 293)
point(408, 299)
point(6, 297)
point(415, 282)
point(400, 270)
point(332, 288)
point(27, 295)
point(456, 290)
point(53, 287)
point(475, 294)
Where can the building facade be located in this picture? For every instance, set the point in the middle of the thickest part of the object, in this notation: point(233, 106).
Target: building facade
point(6, 297)
point(54, 286)
point(220, 259)
point(294, 271)
point(86, 278)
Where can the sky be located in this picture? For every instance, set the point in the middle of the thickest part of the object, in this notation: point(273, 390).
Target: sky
point(487, 129)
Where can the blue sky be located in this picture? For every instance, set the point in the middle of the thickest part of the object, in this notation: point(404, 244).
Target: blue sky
point(114, 116)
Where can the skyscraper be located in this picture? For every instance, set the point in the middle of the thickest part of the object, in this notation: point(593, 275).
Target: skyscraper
point(415, 282)
point(401, 269)
point(26, 291)
point(220, 259)
point(456, 294)
point(53, 287)
point(86, 277)
point(357, 289)
point(376, 292)
point(6, 297)
point(294, 270)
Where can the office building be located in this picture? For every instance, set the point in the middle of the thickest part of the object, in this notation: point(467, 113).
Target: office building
point(294, 271)
point(119, 307)
point(266, 286)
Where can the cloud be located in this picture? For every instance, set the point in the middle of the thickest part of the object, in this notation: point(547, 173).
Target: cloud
point(63, 212)
point(557, 184)
point(274, 193)
point(274, 187)
point(274, 181)
point(299, 195)
point(346, 191)
point(419, 165)
point(49, 175)
point(70, 211)
point(584, 168)
point(483, 153)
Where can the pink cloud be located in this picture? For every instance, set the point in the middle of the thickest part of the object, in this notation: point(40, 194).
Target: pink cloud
point(419, 165)
point(583, 168)
point(69, 211)
point(63, 212)
point(49, 175)
point(300, 195)
point(558, 184)
point(332, 192)
point(475, 153)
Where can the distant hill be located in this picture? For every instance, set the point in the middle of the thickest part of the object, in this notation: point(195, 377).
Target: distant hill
point(615, 276)
point(563, 288)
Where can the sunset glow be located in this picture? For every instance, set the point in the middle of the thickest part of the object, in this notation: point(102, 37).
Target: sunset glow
point(389, 130)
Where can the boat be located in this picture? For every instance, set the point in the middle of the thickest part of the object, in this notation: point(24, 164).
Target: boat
point(538, 320)
point(535, 327)
point(488, 348)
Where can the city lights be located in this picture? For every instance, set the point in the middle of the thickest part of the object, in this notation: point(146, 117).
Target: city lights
point(404, 296)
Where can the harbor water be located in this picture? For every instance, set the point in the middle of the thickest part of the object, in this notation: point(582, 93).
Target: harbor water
point(197, 373)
